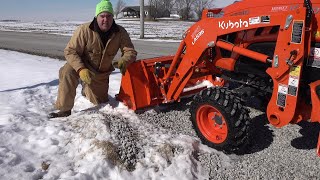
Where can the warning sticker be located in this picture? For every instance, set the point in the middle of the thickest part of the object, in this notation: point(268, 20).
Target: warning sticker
point(265, 19)
point(295, 71)
point(254, 20)
point(293, 85)
point(283, 89)
point(314, 57)
point(293, 81)
point(282, 95)
point(297, 31)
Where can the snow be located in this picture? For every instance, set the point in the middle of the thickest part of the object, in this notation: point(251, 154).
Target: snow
point(35, 147)
point(164, 30)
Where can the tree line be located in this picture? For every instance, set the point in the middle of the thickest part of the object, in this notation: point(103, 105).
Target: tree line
point(186, 9)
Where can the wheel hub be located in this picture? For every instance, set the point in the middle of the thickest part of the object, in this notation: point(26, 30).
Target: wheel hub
point(212, 124)
point(217, 119)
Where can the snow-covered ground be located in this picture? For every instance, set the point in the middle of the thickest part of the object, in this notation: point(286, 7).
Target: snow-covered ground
point(164, 29)
point(95, 142)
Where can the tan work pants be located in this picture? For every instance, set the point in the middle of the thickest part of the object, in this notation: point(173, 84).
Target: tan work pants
point(96, 92)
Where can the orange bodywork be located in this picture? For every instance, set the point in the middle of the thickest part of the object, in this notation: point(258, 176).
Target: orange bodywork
point(291, 25)
point(142, 86)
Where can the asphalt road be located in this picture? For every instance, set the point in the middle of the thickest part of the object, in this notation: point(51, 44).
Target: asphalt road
point(53, 45)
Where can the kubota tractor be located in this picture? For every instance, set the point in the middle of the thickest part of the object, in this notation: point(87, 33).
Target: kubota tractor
point(266, 48)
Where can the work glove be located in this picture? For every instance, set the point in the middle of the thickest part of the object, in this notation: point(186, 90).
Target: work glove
point(85, 75)
point(122, 65)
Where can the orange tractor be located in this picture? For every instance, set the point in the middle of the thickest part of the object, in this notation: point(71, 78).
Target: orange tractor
point(266, 48)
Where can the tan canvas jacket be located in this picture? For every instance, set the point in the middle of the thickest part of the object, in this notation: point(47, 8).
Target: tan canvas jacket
point(85, 49)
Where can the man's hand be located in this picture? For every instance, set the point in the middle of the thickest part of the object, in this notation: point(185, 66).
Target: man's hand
point(122, 65)
point(85, 75)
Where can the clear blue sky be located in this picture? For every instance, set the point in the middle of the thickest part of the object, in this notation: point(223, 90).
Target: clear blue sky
point(59, 9)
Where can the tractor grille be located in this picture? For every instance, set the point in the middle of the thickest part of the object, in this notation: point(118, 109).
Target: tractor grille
point(213, 15)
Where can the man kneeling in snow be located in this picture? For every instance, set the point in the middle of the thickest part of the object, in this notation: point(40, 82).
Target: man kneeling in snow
point(89, 56)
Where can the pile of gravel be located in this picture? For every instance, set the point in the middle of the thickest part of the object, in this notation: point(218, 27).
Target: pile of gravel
point(273, 153)
point(212, 163)
point(174, 119)
point(128, 144)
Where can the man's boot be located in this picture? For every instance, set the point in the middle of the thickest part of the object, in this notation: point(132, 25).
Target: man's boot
point(60, 114)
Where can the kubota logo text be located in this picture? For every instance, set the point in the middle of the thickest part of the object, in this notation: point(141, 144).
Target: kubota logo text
point(231, 24)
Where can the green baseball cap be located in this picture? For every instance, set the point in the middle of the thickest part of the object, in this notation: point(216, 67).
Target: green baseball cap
point(104, 6)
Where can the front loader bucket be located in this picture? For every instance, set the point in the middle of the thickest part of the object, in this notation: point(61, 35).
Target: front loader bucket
point(139, 86)
point(142, 85)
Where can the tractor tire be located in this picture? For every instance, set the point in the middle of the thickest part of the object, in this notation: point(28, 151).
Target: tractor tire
point(220, 120)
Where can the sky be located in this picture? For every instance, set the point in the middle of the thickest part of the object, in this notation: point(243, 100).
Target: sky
point(60, 9)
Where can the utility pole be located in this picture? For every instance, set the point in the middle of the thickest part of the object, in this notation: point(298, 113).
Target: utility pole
point(141, 19)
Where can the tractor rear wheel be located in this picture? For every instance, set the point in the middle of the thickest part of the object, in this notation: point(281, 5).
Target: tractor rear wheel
point(220, 120)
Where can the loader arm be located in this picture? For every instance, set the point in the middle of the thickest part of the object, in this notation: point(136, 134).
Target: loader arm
point(293, 45)
point(199, 39)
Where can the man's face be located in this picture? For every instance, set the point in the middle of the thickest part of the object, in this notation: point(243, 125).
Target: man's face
point(105, 21)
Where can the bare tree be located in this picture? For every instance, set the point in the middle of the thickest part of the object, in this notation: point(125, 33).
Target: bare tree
point(180, 4)
point(168, 4)
point(199, 5)
point(119, 6)
point(189, 4)
point(155, 7)
point(152, 8)
point(184, 8)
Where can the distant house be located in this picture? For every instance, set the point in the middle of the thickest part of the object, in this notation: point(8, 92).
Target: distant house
point(149, 12)
point(131, 11)
point(164, 13)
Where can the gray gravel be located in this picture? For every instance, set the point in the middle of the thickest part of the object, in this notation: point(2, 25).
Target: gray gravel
point(129, 145)
point(284, 153)
point(173, 119)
